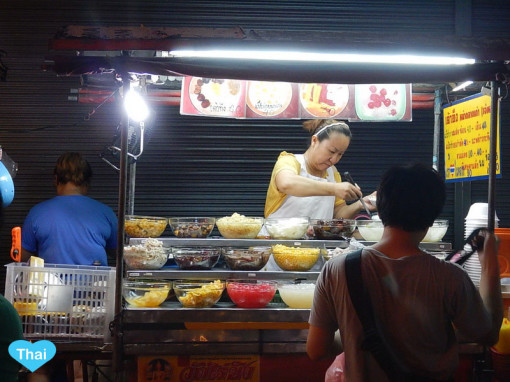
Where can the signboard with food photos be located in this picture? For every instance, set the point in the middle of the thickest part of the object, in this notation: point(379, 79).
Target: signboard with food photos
point(263, 99)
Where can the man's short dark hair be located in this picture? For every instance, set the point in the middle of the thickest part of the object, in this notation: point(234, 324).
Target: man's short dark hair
point(410, 197)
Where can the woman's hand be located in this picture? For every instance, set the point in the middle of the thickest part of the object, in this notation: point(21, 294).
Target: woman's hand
point(370, 201)
point(347, 191)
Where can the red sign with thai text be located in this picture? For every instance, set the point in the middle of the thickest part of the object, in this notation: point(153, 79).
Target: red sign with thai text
point(199, 368)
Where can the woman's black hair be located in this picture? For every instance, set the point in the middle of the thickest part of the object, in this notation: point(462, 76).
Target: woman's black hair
point(72, 167)
point(324, 131)
point(410, 197)
point(322, 128)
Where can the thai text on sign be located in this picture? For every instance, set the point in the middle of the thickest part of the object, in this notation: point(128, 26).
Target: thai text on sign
point(232, 98)
point(199, 368)
point(467, 139)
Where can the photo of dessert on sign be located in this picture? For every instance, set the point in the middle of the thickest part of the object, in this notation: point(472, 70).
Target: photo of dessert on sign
point(268, 98)
point(215, 96)
point(380, 102)
point(324, 100)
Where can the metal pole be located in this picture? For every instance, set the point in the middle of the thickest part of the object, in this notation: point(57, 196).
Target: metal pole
point(492, 154)
point(437, 128)
point(117, 355)
point(131, 193)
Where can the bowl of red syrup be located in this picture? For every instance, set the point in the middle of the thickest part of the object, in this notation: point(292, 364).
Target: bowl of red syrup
point(251, 294)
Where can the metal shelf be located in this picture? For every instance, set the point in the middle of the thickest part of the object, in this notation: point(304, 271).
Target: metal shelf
point(174, 273)
point(217, 241)
point(222, 274)
point(173, 312)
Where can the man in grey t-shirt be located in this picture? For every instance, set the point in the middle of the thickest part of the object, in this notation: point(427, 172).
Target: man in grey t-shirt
point(419, 302)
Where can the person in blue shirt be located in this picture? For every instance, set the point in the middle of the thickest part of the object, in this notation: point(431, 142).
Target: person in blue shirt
point(70, 228)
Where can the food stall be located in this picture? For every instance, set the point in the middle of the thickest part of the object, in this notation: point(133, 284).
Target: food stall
point(226, 329)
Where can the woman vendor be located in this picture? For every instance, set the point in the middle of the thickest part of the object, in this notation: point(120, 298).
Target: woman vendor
point(309, 184)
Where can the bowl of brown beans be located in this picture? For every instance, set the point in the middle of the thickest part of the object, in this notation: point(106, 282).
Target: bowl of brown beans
point(196, 257)
point(246, 258)
point(192, 227)
point(333, 229)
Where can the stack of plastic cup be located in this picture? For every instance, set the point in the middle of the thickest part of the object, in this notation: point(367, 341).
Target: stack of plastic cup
point(477, 217)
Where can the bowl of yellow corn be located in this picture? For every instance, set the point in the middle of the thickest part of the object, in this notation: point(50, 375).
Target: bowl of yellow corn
point(198, 293)
point(145, 294)
point(295, 258)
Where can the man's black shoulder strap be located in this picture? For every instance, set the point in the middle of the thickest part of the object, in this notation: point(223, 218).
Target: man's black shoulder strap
point(372, 341)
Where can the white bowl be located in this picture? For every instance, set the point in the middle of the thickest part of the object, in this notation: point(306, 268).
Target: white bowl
point(150, 254)
point(476, 220)
point(437, 231)
point(372, 230)
point(479, 211)
point(297, 296)
point(287, 228)
point(239, 226)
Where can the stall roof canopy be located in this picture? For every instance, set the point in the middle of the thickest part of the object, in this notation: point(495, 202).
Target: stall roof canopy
point(133, 50)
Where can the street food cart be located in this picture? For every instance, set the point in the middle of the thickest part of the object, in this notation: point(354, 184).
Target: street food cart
point(225, 329)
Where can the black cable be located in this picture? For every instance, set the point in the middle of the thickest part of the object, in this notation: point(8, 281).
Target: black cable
point(39, 128)
point(47, 127)
point(101, 104)
point(446, 93)
point(506, 89)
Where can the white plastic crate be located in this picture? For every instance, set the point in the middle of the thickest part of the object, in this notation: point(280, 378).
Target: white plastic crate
point(61, 302)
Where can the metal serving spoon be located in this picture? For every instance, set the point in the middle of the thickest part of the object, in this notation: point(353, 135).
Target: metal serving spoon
point(349, 179)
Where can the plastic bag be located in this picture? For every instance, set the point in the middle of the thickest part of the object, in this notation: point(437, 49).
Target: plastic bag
point(335, 372)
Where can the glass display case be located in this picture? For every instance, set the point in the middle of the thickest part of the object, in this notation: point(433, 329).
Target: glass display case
point(224, 328)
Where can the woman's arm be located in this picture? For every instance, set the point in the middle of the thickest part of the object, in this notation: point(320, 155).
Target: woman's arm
point(347, 211)
point(296, 185)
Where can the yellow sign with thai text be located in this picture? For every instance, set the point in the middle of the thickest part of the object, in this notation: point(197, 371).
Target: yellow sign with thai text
point(467, 139)
point(199, 368)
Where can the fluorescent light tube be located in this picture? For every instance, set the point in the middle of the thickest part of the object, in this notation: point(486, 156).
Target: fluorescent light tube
point(462, 86)
point(323, 57)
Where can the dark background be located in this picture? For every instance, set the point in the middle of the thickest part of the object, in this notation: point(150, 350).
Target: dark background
point(196, 166)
